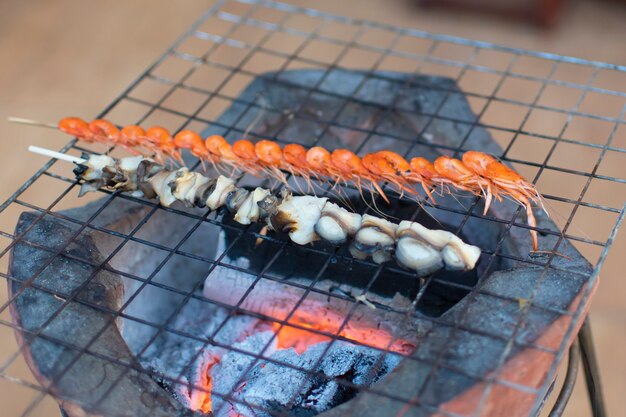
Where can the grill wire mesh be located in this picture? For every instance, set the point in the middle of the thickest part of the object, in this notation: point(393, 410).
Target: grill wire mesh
point(203, 72)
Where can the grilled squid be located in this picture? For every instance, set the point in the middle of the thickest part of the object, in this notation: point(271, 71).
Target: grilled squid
point(305, 218)
point(375, 237)
point(336, 224)
point(298, 216)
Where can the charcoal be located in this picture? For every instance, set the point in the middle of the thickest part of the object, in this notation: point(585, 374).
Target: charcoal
point(310, 387)
point(184, 359)
point(228, 373)
point(304, 389)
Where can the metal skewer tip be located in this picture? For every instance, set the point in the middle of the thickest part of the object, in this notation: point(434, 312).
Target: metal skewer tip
point(56, 155)
point(22, 121)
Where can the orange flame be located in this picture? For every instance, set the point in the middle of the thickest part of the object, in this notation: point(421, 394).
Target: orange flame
point(301, 339)
point(201, 398)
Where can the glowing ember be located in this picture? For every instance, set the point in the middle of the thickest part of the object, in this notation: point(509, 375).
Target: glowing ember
point(201, 398)
point(301, 339)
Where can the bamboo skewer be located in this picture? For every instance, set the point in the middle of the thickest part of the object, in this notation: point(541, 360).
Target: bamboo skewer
point(30, 122)
point(56, 155)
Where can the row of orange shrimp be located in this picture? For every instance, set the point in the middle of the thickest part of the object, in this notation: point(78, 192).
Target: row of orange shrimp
point(476, 172)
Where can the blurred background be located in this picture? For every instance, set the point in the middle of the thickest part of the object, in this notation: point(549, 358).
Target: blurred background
point(71, 57)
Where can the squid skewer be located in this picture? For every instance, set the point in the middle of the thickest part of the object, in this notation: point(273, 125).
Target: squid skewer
point(305, 218)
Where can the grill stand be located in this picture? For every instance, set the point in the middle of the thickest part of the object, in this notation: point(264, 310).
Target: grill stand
point(220, 28)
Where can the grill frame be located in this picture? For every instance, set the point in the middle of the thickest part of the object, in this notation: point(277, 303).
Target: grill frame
point(288, 11)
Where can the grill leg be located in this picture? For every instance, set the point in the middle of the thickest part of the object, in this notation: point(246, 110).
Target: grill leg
point(573, 361)
point(592, 372)
point(582, 348)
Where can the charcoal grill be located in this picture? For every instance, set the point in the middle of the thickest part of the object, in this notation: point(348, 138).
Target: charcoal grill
point(489, 341)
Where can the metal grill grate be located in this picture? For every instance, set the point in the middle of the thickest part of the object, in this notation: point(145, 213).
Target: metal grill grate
point(203, 73)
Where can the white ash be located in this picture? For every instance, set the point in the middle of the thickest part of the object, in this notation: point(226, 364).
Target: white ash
point(230, 374)
point(185, 359)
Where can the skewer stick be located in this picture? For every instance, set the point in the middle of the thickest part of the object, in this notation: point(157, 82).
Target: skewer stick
point(57, 155)
point(30, 122)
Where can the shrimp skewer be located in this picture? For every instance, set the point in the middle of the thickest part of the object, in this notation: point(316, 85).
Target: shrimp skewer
point(476, 172)
point(305, 218)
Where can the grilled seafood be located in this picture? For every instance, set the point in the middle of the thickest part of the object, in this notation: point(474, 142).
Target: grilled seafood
point(477, 172)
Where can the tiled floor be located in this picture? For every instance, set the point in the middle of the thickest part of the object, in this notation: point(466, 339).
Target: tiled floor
point(65, 57)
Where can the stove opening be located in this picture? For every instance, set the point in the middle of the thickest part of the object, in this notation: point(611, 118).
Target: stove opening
point(290, 350)
point(281, 341)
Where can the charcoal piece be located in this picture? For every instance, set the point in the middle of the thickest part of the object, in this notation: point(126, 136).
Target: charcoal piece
point(309, 388)
point(184, 360)
point(227, 376)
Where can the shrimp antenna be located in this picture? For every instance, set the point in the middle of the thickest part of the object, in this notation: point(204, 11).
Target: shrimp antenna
point(344, 198)
point(432, 216)
point(348, 202)
point(337, 189)
point(374, 206)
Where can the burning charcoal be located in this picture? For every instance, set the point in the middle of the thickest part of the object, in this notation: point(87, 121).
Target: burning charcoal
point(311, 388)
point(227, 374)
point(189, 360)
point(220, 370)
